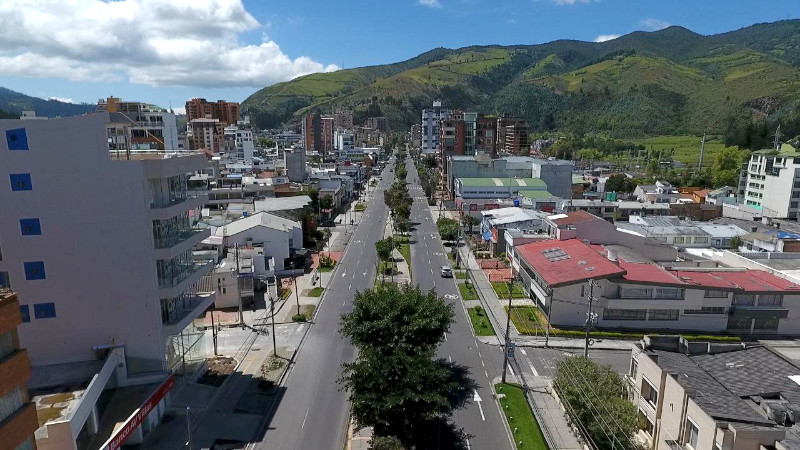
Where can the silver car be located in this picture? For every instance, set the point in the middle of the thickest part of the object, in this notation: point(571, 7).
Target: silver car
point(447, 272)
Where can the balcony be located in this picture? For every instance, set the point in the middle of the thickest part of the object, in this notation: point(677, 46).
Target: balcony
point(19, 426)
point(180, 282)
point(180, 242)
point(165, 210)
point(190, 311)
point(15, 369)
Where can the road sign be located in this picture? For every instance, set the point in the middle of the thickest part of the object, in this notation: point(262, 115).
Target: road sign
point(511, 347)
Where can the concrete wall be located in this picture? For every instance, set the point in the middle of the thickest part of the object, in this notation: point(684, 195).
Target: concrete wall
point(276, 242)
point(557, 176)
point(96, 242)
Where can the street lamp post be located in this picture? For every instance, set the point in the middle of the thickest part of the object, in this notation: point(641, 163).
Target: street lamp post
point(508, 327)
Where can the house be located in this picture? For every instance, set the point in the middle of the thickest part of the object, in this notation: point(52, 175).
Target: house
point(599, 208)
point(495, 222)
point(703, 395)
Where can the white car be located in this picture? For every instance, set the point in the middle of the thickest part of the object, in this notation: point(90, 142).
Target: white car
point(447, 272)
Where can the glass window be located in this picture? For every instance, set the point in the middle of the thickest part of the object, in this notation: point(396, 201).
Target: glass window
point(692, 434)
point(739, 323)
point(21, 181)
point(645, 424)
point(766, 323)
point(44, 310)
point(17, 139)
point(716, 294)
point(34, 270)
point(27, 445)
point(770, 300)
point(634, 368)
point(10, 403)
point(6, 345)
point(30, 227)
point(663, 314)
point(5, 281)
point(744, 299)
point(649, 392)
point(624, 314)
point(706, 310)
point(26, 313)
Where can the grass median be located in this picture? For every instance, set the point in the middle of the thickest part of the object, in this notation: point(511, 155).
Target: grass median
point(480, 322)
point(316, 292)
point(468, 291)
point(520, 418)
point(405, 249)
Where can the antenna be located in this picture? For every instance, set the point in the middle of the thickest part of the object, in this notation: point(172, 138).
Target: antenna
point(777, 142)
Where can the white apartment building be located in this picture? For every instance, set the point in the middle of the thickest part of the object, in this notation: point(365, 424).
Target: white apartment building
point(99, 249)
point(772, 183)
point(431, 120)
point(243, 141)
point(343, 139)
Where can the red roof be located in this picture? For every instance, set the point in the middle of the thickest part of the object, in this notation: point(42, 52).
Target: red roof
point(567, 262)
point(575, 217)
point(648, 273)
point(745, 280)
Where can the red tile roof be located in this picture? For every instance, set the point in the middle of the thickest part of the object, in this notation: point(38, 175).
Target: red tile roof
point(575, 217)
point(570, 261)
point(648, 273)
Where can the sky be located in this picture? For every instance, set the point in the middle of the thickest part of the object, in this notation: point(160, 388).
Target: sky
point(168, 51)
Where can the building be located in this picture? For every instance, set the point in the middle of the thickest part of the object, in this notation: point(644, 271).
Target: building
point(703, 395)
point(472, 194)
point(377, 123)
point(243, 145)
point(295, 160)
point(486, 135)
point(431, 120)
point(510, 137)
point(773, 182)
point(661, 192)
point(451, 138)
point(279, 237)
point(343, 119)
point(205, 134)
point(312, 132)
point(481, 166)
point(326, 134)
point(138, 126)
point(343, 139)
point(634, 291)
point(18, 418)
point(600, 208)
point(99, 249)
point(683, 233)
point(556, 173)
point(228, 113)
point(416, 135)
point(495, 222)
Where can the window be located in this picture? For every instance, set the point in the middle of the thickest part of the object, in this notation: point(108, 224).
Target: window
point(663, 314)
point(700, 240)
point(10, 403)
point(744, 299)
point(17, 139)
point(21, 182)
point(716, 294)
point(5, 281)
point(30, 227)
point(27, 445)
point(770, 300)
point(634, 368)
point(645, 424)
point(34, 270)
point(649, 392)
point(766, 323)
point(706, 310)
point(624, 314)
point(6, 345)
point(44, 310)
point(692, 434)
point(677, 240)
point(26, 313)
point(739, 323)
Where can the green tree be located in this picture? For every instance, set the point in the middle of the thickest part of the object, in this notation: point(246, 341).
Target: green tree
point(589, 154)
point(727, 165)
point(384, 249)
point(386, 443)
point(620, 183)
point(396, 385)
point(469, 222)
point(448, 228)
point(326, 202)
point(598, 397)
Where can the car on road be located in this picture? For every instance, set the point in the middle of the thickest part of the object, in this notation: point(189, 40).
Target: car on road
point(447, 272)
point(328, 223)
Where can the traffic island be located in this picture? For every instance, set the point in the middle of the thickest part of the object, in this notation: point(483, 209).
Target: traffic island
point(480, 323)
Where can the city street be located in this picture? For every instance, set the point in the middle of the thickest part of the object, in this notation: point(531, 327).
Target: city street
point(313, 412)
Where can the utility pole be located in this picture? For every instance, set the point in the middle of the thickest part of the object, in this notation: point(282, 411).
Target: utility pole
point(294, 277)
point(702, 152)
point(214, 333)
point(508, 327)
point(549, 315)
point(188, 428)
point(589, 319)
point(272, 313)
point(238, 285)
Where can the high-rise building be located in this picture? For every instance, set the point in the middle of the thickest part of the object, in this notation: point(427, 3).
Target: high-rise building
point(242, 142)
point(378, 123)
point(138, 126)
point(416, 135)
point(451, 138)
point(226, 112)
point(486, 135)
point(431, 118)
point(17, 413)
point(771, 182)
point(312, 132)
point(204, 134)
point(517, 139)
point(100, 249)
point(343, 118)
point(295, 160)
point(343, 139)
point(326, 133)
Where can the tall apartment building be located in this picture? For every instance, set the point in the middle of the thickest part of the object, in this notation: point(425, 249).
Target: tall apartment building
point(205, 134)
point(17, 413)
point(512, 135)
point(343, 139)
point(486, 135)
point(772, 183)
point(100, 249)
point(326, 133)
point(343, 119)
point(226, 112)
point(431, 119)
point(378, 123)
point(295, 160)
point(138, 126)
point(312, 132)
point(242, 142)
point(451, 138)
point(416, 135)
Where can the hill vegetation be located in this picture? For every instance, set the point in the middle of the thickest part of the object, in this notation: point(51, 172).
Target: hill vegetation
point(672, 81)
point(14, 103)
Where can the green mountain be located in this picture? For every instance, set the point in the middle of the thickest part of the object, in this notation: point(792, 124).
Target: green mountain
point(15, 102)
point(663, 82)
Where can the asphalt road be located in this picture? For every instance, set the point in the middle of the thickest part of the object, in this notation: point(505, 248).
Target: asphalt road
point(313, 413)
point(482, 419)
point(542, 361)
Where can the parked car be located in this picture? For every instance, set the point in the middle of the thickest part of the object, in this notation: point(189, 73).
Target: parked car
point(447, 272)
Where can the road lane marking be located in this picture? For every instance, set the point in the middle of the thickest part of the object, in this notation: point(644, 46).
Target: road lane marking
point(486, 373)
point(449, 358)
point(482, 364)
point(349, 287)
point(523, 351)
point(304, 419)
point(477, 399)
point(511, 369)
point(533, 369)
point(445, 337)
point(344, 273)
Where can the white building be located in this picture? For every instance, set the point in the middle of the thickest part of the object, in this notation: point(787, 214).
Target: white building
point(773, 182)
point(99, 249)
point(343, 139)
point(243, 140)
point(431, 120)
point(280, 237)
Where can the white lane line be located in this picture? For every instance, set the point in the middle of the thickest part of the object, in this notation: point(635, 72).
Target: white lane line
point(523, 351)
point(511, 369)
point(533, 369)
point(344, 273)
point(482, 364)
point(449, 358)
point(344, 303)
point(349, 287)
point(477, 399)
point(304, 419)
point(486, 373)
point(445, 337)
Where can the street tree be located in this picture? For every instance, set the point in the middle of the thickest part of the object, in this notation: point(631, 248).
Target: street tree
point(727, 165)
point(448, 228)
point(326, 202)
point(384, 249)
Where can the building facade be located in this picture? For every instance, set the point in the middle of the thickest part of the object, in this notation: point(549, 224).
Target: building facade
point(772, 184)
point(99, 249)
point(226, 112)
point(431, 121)
point(17, 413)
point(326, 134)
point(295, 160)
point(138, 126)
point(311, 129)
point(243, 145)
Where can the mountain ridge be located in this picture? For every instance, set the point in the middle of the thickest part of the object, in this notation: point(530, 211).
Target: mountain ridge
point(14, 102)
point(755, 65)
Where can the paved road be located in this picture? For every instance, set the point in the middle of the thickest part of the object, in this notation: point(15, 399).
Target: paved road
point(482, 421)
point(313, 413)
point(543, 361)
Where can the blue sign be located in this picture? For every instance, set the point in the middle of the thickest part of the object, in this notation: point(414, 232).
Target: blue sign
point(516, 202)
point(511, 347)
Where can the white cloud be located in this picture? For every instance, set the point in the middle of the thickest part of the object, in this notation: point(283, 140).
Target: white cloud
point(571, 2)
point(179, 110)
point(156, 42)
point(62, 99)
point(430, 3)
point(606, 37)
point(651, 24)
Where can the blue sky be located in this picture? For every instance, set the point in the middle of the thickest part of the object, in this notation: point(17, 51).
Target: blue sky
point(166, 51)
